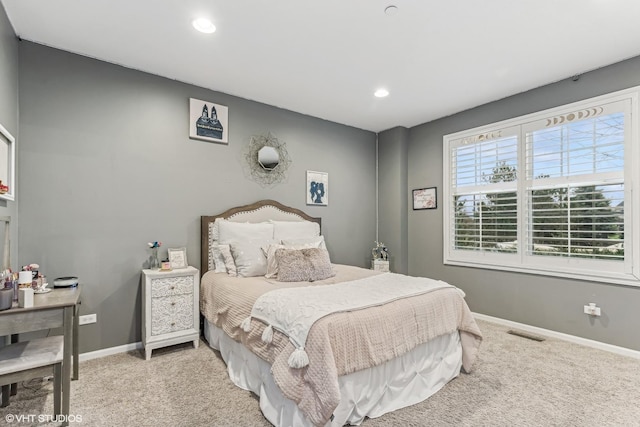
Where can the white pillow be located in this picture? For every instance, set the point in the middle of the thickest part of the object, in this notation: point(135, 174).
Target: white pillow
point(309, 242)
point(230, 231)
point(249, 258)
point(218, 258)
point(294, 229)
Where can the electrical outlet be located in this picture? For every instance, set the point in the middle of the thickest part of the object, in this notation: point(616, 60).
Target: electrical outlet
point(88, 318)
point(592, 310)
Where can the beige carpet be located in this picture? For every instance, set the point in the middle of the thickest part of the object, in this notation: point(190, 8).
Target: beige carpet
point(516, 382)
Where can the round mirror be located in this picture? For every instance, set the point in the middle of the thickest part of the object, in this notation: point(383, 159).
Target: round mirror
point(268, 158)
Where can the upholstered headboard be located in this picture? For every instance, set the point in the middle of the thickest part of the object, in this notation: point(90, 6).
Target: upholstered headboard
point(261, 211)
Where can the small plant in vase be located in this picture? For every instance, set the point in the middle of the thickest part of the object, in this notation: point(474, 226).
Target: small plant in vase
point(380, 251)
point(154, 262)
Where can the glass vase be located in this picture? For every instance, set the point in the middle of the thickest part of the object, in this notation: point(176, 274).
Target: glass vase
point(154, 262)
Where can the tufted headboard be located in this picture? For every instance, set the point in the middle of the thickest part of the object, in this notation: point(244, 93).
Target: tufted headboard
point(261, 211)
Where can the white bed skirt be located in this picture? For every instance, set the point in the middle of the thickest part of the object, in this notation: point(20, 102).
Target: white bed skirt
point(372, 392)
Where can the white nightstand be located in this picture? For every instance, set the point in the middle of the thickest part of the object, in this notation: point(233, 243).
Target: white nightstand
point(170, 308)
point(380, 265)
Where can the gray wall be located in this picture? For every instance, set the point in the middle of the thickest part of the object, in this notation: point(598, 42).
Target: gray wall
point(392, 195)
point(551, 303)
point(106, 165)
point(9, 117)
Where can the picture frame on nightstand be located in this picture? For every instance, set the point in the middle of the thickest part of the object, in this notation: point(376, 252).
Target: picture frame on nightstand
point(177, 257)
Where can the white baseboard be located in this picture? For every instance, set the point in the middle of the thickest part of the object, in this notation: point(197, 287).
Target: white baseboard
point(559, 335)
point(533, 329)
point(109, 351)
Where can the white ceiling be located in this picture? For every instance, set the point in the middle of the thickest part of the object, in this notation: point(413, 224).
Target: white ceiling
point(326, 58)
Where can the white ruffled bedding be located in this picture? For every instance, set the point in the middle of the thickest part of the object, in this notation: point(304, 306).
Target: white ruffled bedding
point(398, 383)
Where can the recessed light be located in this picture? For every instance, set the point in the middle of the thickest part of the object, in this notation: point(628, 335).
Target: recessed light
point(204, 25)
point(381, 93)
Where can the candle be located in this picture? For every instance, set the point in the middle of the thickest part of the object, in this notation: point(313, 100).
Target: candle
point(25, 277)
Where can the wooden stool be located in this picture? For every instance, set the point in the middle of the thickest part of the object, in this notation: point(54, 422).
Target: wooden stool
point(32, 359)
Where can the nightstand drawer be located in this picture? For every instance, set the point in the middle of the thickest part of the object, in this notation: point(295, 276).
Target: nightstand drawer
point(171, 314)
point(166, 286)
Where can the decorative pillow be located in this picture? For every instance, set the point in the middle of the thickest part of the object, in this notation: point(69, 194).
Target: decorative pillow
point(292, 266)
point(272, 262)
point(249, 258)
point(320, 263)
point(230, 231)
point(303, 265)
point(229, 264)
point(218, 259)
point(294, 229)
point(313, 242)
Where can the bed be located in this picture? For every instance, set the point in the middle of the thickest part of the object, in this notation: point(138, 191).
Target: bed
point(322, 343)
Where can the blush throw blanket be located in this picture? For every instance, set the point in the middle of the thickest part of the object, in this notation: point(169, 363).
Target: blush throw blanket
point(339, 343)
point(293, 311)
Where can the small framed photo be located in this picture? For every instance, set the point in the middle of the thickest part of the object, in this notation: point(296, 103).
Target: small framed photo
point(425, 198)
point(178, 257)
point(208, 121)
point(317, 188)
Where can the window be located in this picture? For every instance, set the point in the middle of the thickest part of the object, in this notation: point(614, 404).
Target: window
point(547, 193)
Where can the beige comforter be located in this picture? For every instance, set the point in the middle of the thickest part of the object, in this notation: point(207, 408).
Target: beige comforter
point(341, 343)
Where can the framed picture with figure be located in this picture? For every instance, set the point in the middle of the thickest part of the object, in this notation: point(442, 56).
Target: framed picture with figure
point(317, 188)
point(178, 257)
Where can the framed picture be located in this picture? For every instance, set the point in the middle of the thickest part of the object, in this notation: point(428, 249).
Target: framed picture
point(425, 198)
point(317, 188)
point(7, 165)
point(208, 121)
point(178, 257)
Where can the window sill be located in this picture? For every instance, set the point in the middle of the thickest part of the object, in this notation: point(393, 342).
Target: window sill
point(613, 278)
